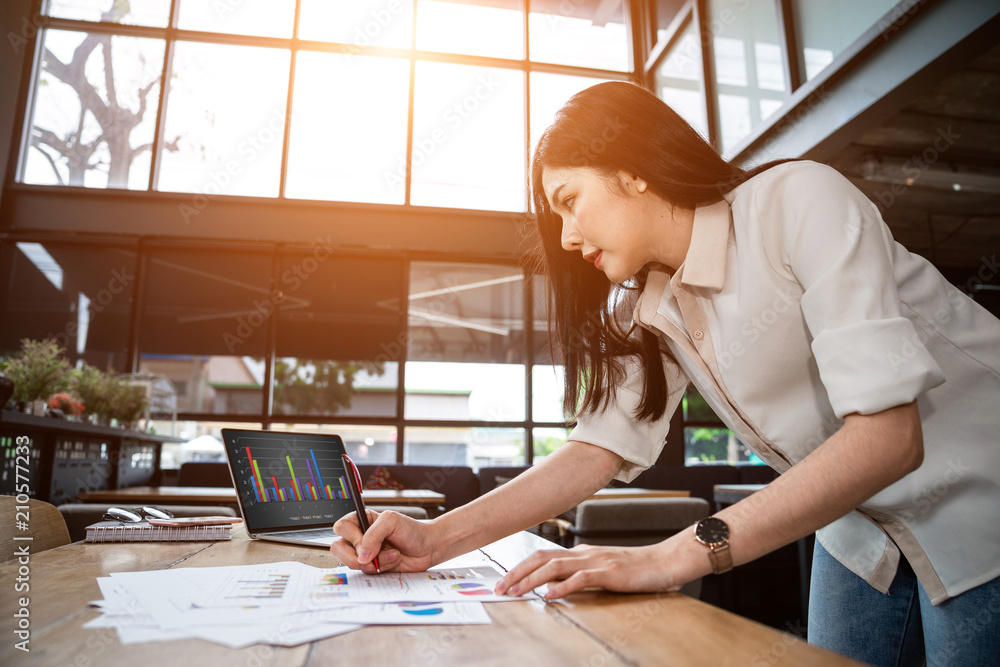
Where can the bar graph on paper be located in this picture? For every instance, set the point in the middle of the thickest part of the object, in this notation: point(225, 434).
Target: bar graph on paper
point(278, 474)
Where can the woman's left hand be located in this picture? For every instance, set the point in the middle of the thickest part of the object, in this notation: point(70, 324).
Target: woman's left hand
point(622, 569)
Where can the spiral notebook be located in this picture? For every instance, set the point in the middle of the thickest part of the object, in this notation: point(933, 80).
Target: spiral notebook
point(114, 531)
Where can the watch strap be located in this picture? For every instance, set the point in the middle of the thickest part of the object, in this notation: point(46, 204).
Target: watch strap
point(721, 558)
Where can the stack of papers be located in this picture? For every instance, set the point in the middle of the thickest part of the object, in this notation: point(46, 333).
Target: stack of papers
point(289, 603)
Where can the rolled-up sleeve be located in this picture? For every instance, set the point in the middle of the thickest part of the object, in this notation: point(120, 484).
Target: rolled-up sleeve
point(616, 428)
point(870, 356)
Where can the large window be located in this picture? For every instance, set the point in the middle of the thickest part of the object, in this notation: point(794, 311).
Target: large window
point(377, 101)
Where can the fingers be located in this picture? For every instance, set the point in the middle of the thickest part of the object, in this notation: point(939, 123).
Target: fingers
point(537, 569)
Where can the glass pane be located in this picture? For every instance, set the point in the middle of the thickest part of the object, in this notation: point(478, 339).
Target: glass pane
point(715, 445)
point(83, 131)
point(472, 27)
point(265, 18)
point(358, 22)
point(825, 29)
point(679, 79)
point(465, 342)
point(468, 138)
point(339, 333)
point(696, 409)
point(549, 92)
point(547, 393)
point(225, 122)
point(748, 66)
point(547, 440)
point(202, 441)
point(474, 447)
point(204, 327)
point(78, 295)
point(664, 12)
point(348, 152)
point(364, 443)
point(145, 12)
point(587, 33)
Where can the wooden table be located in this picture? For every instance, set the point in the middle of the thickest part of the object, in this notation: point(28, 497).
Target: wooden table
point(626, 493)
point(591, 628)
point(208, 495)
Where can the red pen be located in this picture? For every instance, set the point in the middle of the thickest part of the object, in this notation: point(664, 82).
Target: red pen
point(354, 486)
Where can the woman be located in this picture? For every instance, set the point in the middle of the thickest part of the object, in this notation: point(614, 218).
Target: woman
point(839, 358)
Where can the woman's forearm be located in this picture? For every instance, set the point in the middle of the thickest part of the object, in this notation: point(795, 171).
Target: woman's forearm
point(562, 480)
point(866, 455)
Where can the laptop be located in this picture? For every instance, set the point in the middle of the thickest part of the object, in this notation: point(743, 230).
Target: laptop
point(291, 487)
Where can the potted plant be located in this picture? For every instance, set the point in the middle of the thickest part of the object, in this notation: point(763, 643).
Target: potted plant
point(38, 373)
point(130, 403)
point(66, 404)
point(94, 390)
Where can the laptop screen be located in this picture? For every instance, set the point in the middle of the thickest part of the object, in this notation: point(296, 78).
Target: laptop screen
point(288, 480)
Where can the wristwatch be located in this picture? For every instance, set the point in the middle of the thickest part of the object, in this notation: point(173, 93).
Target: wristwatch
point(714, 534)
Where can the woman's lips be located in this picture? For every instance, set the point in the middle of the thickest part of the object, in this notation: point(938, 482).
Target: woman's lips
point(594, 257)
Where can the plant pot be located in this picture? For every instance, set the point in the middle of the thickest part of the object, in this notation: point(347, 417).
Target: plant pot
point(38, 407)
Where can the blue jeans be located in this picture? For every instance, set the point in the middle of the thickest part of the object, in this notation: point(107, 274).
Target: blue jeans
point(848, 616)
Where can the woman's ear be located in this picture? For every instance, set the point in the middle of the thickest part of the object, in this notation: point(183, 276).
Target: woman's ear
point(630, 181)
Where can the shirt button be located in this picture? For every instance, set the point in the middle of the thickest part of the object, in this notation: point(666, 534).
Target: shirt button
point(698, 335)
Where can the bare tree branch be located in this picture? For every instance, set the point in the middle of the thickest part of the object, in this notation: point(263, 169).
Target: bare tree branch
point(37, 144)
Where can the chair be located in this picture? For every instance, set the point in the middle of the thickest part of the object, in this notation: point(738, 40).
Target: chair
point(45, 525)
point(637, 522)
point(80, 515)
point(204, 473)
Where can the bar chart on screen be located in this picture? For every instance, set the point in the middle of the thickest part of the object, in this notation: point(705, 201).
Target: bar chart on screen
point(276, 474)
point(288, 480)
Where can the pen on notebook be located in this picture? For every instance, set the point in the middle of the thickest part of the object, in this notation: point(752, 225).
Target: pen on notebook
point(354, 486)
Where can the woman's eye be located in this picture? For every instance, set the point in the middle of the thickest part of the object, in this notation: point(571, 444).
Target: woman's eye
point(568, 203)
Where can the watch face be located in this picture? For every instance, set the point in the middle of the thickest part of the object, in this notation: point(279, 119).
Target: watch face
point(711, 531)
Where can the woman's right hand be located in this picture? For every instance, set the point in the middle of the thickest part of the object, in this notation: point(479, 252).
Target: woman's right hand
point(401, 544)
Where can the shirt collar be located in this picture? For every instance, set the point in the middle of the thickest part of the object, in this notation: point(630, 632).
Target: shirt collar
point(705, 263)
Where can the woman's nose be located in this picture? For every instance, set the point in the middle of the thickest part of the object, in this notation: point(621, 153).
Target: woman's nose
point(571, 237)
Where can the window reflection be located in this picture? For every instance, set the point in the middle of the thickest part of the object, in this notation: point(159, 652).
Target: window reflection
point(348, 152)
point(824, 29)
point(587, 33)
point(473, 27)
point(679, 79)
point(548, 93)
point(204, 327)
point(461, 446)
point(468, 137)
point(466, 343)
point(83, 131)
point(79, 296)
point(146, 12)
point(749, 72)
point(359, 23)
point(264, 18)
point(225, 120)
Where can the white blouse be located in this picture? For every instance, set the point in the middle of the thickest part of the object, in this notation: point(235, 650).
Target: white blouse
point(794, 307)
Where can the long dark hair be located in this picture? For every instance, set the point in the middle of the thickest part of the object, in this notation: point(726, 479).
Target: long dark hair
point(610, 127)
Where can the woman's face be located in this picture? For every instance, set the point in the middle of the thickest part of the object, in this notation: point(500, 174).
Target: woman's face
point(619, 229)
